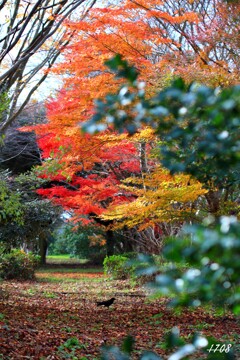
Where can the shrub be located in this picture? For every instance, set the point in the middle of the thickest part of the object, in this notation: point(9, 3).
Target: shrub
point(116, 267)
point(123, 266)
point(18, 265)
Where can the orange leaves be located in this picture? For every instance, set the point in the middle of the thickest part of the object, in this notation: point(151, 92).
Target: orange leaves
point(91, 181)
point(133, 29)
point(107, 170)
point(176, 19)
point(97, 240)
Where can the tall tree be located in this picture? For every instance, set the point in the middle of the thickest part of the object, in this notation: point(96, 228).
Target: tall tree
point(86, 180)
point(26, 219)
point(86, 171)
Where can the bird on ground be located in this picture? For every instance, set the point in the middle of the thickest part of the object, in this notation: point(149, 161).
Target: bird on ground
point(106, 303)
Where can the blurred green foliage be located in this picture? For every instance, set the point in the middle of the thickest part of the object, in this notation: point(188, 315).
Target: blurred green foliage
point(198, 129)
point(11, 208)
point(198, 126)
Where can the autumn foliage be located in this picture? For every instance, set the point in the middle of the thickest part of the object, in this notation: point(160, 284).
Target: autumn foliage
point(117, 177)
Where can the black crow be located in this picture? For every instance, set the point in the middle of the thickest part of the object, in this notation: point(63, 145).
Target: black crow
point(106, 303)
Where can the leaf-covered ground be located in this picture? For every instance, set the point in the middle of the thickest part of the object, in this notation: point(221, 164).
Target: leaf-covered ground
point(36, 318)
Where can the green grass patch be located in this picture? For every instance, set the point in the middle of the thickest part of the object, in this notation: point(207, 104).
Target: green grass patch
point(64, 259)
point(60, 256)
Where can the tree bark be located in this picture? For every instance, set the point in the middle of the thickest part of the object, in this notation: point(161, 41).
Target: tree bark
point(213, 201)
point(110, 242)
point(109, 233)
point(43, 245)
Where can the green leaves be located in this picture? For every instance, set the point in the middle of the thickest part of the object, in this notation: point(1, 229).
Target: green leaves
point(205, 132)
point(122, 69)
point(182, 350)
point(68, 349)
point(213, 258)
point(198, 126)
point(18, 265)
point(112, 102)
point(4, 103)
point(11, 209)
point(113, 110)
point(113, 352)
point(128, 344)
point(198, 129)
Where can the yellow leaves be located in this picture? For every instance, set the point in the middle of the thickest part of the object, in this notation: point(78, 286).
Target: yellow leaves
point(112, 139)
point(20, 16)
point(146, 134)
point(160, 197)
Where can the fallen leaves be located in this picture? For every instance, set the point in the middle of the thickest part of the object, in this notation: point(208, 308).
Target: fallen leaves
point(38, 317)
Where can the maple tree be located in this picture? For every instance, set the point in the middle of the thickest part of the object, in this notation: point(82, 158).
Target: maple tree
point(92, 190)
point(89, 187)
point(87, 171)
point(127, 29)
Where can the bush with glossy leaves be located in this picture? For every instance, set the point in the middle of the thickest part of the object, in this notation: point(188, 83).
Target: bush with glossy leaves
point(199, 132)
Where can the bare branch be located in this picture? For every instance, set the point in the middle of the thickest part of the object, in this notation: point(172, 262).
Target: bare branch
point(30, 26)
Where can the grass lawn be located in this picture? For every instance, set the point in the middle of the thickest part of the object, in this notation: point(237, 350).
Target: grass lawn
point(64, 259)
point(59, 257)
point(56, 317)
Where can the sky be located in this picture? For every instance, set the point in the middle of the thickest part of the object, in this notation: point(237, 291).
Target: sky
point(52, 83)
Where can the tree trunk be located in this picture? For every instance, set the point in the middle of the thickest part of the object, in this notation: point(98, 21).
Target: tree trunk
point(43, 245)
point(110, 242)
point(143, 158)
point(213, 201)
point(109, 233)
